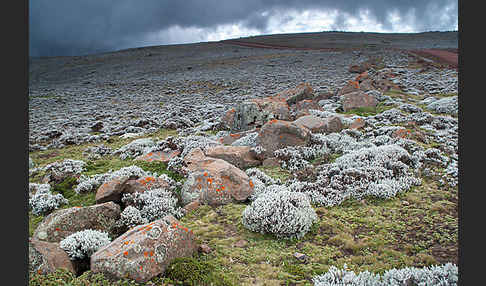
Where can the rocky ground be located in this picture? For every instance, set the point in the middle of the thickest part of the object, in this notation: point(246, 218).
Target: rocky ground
point(360, 139)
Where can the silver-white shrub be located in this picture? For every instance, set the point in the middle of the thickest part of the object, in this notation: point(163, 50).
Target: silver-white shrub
point(381, 171)
point(296, 158)
point(134, 148)
point(66, 167)
point(152, 205)
point(43, 201)
point(247, 140)
point(131, 217)
point(436, 275)
point(96, 152)
point(84, 243)
point(448, 105)
point(284, 214)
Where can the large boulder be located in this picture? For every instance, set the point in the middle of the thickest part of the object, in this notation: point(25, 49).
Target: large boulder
point(277, 134)
point(300, 92)
point(215, 182)
point(320, 125)
point(239, 156)
point(303, 107)
point(256, 112)
point(47, 257)
point(144, 251)
point(358, 99)
point(64, 222)
point(111, 190)
point(114, 189)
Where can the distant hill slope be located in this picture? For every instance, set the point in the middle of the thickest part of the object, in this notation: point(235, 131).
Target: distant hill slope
point(352, 40)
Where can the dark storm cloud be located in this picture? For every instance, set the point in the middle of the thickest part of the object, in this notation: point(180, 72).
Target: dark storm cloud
point(60, 27)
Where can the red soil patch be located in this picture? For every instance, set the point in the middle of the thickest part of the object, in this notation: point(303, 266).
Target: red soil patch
point(449, 56)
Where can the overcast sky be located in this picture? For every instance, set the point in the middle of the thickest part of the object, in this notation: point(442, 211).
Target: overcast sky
point(64, 28)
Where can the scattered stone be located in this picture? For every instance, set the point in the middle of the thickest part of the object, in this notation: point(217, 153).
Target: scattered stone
point(319, 125)
point(61, 223)
point(277, 134)
point(47, 257)
point(239, 156)
point(205, 248)
point(358, 99)
point(191, 206)
point(240, 243)
point(215, 182)
point(145, 251)
point(301, 256)
point(271, 162)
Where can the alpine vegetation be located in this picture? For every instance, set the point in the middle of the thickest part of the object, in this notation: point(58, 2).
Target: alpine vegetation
point(96, 152)
point(65, 168)
point(448, 105)
point(43, 201)
point(438, 275)
point(149, 206)
point(284, 214)
point(83, 244)
point(89, 183)
point(261, 182)
point(298, 157)
point(134, 148)
point(381, 171)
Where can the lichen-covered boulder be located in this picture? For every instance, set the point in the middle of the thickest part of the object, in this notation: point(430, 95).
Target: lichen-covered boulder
point(215, 182)
point(61, 223)
point(114, 189)
point(298, 93)
point(277, 134)
point(111, 190)
point(303, 107)
point(256, 112)
point(47, 257)
point(358, 99)
point(320, 125)
point(144, 251)
point(239, 156)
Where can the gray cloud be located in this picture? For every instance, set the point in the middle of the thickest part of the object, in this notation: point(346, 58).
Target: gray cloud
point(59, 27)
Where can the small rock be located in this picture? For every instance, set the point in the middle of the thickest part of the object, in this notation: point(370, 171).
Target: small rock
point(205, 248)
point(271, 162)
point(301, 256)
point(191, 206)
point(240, 243)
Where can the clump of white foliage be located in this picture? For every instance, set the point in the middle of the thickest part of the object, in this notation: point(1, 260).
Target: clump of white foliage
point(381, 171)
point(448, 105)
point(90, 183)
point(438, 275)
point(149, 206)
point(296, 158)
point(68, 167)
point(134, 148)
point(96, 152)
point(84, 243)
point(284, 214)
point(43, 201)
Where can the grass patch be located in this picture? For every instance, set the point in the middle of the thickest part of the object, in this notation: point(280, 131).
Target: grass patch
point(369, 111)
point(194, 271)
point(276, 172)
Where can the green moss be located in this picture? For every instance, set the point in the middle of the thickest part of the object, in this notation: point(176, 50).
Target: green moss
point(276, 172)
point(195, 271)
point(34, 221)
point(369, 111)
